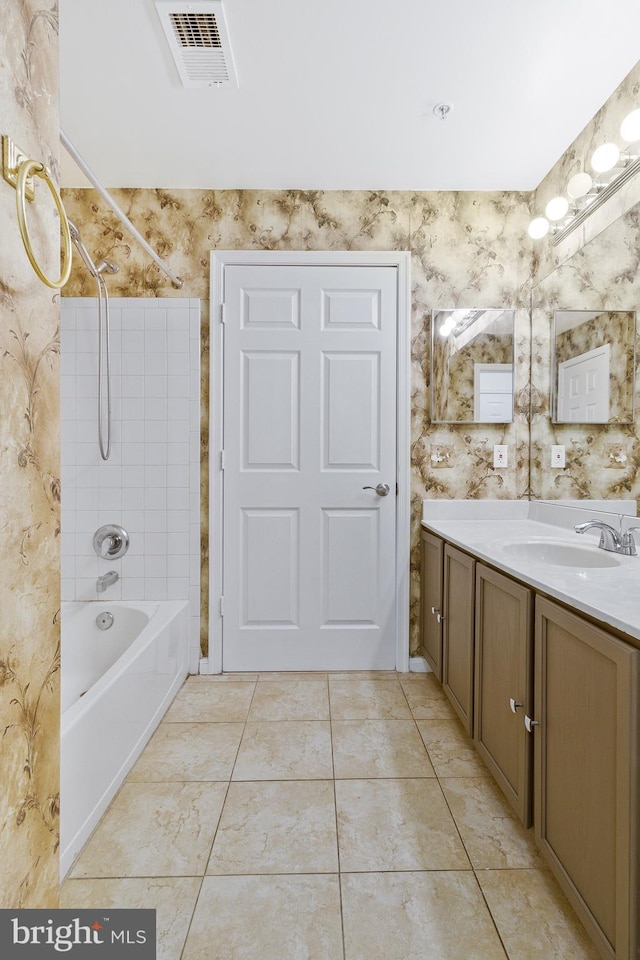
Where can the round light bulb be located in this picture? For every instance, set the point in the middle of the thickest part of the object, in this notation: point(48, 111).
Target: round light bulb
point(445, 329)
point(605, 157)
point(630, 127)
point(579, 185)
point(557, 208)
point(538, 228)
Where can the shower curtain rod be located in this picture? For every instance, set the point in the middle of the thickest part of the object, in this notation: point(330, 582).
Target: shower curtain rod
point(120, 214)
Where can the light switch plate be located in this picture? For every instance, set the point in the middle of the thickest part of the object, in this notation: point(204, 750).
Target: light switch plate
point(500, 456)
point(557, 455)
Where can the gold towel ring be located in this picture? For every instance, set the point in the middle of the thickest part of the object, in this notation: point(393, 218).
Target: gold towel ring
point(26, 169)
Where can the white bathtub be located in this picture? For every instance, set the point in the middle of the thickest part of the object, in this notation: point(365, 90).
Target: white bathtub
point(116, 686)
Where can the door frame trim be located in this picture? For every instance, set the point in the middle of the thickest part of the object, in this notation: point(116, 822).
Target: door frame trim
point(223, 258)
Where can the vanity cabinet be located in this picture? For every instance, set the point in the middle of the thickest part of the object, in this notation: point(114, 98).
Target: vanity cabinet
point(504, 683)
point(552, 702)
point(458, 633)
point(586, 771)
point(431, 559)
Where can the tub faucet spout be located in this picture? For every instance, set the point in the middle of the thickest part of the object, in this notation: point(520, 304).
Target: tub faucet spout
point(106, 580)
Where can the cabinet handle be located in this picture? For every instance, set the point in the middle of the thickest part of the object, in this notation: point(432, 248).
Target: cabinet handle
point(514, 705)
point(434, 610)
point(440, 617)
point(530, 724)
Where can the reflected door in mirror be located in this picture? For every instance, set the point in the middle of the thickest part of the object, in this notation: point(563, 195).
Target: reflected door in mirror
point(594, 366)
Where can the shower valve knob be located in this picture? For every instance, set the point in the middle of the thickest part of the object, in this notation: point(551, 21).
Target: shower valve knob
point(111, 541)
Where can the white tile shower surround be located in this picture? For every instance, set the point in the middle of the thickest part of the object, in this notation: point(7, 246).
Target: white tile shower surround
point(151, 483)
point(326, 817)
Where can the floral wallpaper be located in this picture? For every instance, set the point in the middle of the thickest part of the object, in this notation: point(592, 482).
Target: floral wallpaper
point(617, 328)
point(467, 251)
point(29, 477)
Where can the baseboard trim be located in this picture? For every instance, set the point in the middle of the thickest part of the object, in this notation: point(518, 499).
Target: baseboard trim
point(419, 665)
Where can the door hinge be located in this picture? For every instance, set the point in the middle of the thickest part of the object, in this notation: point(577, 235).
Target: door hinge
point(222, 459)
point(222, 606)
point(223, 318)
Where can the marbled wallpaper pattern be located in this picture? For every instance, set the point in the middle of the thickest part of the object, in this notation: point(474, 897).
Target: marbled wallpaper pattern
point(29, 476)
point(467, 251)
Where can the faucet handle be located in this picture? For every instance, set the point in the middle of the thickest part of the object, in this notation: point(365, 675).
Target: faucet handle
point(629, 543)
point(111, 541)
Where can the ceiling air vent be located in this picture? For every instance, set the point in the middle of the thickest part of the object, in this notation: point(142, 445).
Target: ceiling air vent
point(199, 42)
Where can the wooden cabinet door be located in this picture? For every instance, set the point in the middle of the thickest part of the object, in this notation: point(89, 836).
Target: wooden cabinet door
point(503, 684)
point(457, 637)
point(431, 554)
point(586, 772)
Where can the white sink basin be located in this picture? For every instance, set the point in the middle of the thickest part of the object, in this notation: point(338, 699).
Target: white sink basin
point(558, 553)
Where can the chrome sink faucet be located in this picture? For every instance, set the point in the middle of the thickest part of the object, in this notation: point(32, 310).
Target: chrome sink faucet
point(106, 580)
point(610, 539)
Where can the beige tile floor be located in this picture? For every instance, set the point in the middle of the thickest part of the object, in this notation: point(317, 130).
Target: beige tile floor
point(322, 817)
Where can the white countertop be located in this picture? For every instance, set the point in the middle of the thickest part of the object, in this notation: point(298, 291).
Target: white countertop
point(485, 527)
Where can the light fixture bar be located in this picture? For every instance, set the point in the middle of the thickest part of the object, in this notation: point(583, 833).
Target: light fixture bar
point(609, 191)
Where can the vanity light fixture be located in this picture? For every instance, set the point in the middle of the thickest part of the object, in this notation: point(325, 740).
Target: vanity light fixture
point(557, 208)
point(605, 157)
point(630, 127)
point(588, 195)
point(538, 228)
point(579, 185)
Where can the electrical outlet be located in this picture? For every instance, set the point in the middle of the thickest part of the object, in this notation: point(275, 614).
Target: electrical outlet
point(557, 455)
point(500, 457)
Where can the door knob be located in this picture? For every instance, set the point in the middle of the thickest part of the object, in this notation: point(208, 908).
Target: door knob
point(382, 489)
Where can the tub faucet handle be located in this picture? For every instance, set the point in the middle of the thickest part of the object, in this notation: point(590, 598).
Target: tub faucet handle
point(111, 541)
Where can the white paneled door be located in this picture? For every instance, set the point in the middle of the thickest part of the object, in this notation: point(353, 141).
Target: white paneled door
point(583, 387)
point(309, 559)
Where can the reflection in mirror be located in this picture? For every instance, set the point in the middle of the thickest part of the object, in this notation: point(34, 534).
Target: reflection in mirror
point(602, 460)
point(593, 366)
point(472, 366)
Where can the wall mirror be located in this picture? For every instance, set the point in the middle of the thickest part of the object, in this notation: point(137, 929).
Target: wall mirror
point(472, 366)
point(593, 366)
point(584, 302)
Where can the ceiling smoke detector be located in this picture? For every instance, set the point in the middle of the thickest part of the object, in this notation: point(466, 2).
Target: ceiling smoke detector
point(442, 110)
point(199, 42)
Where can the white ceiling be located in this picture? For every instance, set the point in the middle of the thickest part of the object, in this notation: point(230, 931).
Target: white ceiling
point(340, 94)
